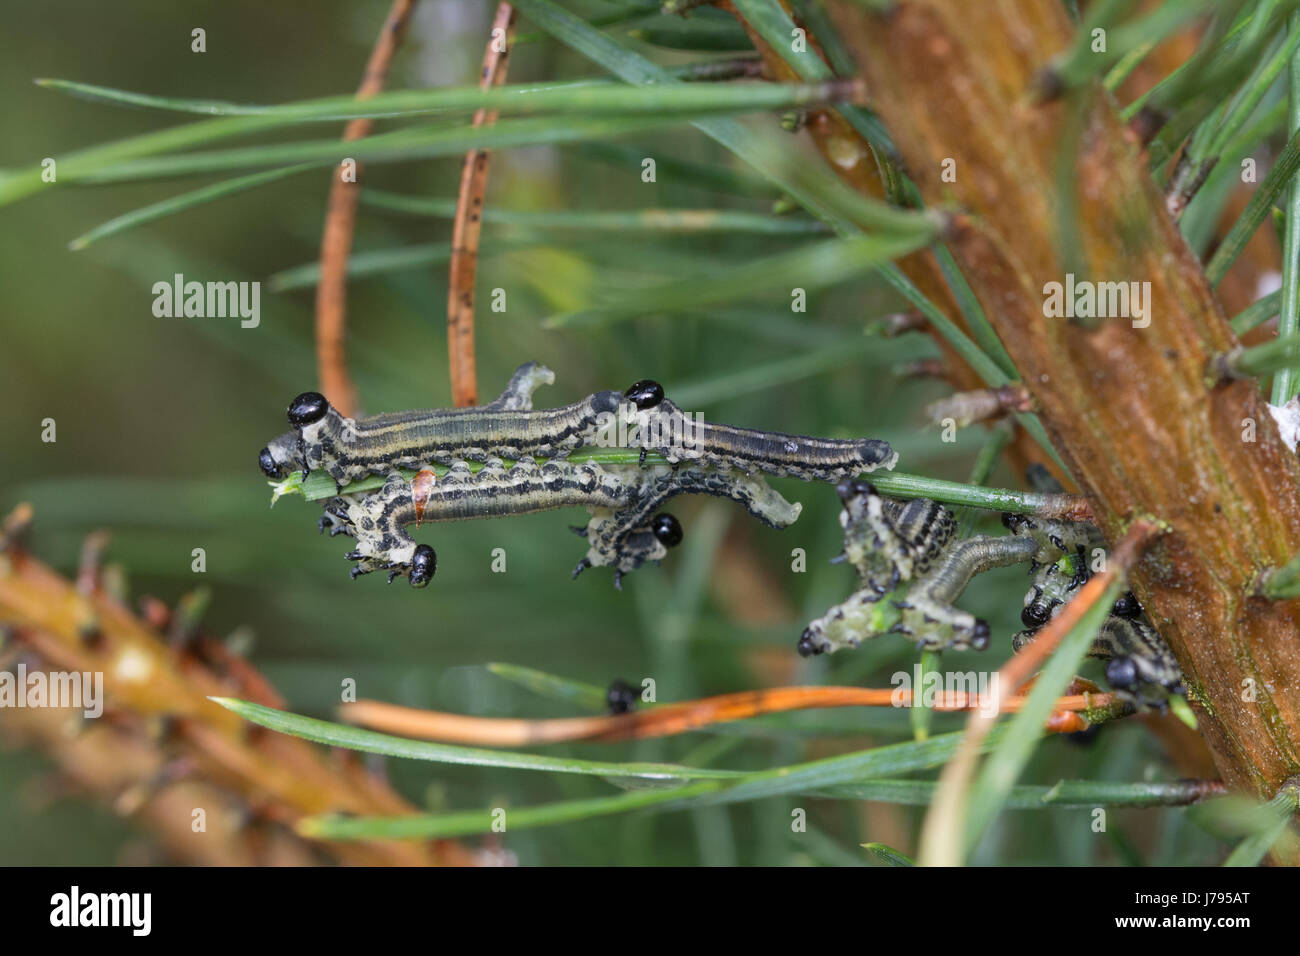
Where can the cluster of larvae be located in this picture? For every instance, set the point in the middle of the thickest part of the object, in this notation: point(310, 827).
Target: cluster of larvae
point(910, 552)
point(507, 458)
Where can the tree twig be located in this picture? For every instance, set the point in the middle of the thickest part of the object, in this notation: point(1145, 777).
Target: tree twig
point(469, 223)
point(670, 719)
point(158, 715)
point(1153, 433)
point(340, 217)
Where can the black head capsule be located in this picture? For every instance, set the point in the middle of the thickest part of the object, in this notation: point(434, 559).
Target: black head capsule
point(852, 487)
point(1035, 615)
point(1127, 605)
point(621, 697)
point(1013, 522)
point(644, 394)
point(667, 529)
point(307, 409)
point(423, 565)
point(806, 647)
point(1122, 673)
point(267, 464)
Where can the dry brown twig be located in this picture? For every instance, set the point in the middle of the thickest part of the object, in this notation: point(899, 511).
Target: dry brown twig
point(340, 218)
point(163, 749)
point(469, 223)
point(669, 719)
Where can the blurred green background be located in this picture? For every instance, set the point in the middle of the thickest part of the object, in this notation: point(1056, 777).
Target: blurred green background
point(159, 421)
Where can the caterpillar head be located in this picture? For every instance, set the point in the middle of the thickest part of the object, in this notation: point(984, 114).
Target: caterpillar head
point(808, 645)
point(1127, 605)
point(307, 409)
point(311, 415)
point(667, 529)
point(424, 562)
point(281, 455)
point(621, 697)
point(644, 394)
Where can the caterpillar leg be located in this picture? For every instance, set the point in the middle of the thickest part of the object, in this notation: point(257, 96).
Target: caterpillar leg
point(336, 516)
point(377, 521)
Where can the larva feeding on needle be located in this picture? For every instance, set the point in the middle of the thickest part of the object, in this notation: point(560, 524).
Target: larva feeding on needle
point(626, 528)
point(510, 428)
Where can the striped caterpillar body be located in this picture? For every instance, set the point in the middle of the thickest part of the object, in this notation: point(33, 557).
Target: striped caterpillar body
point(1141, 666)
point(929, 617)
point(626, 528)
point(663, 427)
point(639, 419)
point(889, 541)
point(349, 449)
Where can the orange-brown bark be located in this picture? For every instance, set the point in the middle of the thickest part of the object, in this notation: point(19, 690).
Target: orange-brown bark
point(1132, 410)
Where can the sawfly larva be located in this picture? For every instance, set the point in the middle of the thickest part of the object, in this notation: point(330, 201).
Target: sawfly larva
point(663, 427)
point(626, 528)
point(890, 541)
point(639, 419)
point(908, 548)
point(895, 544)
point(349, 449)
point(1140, 667)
